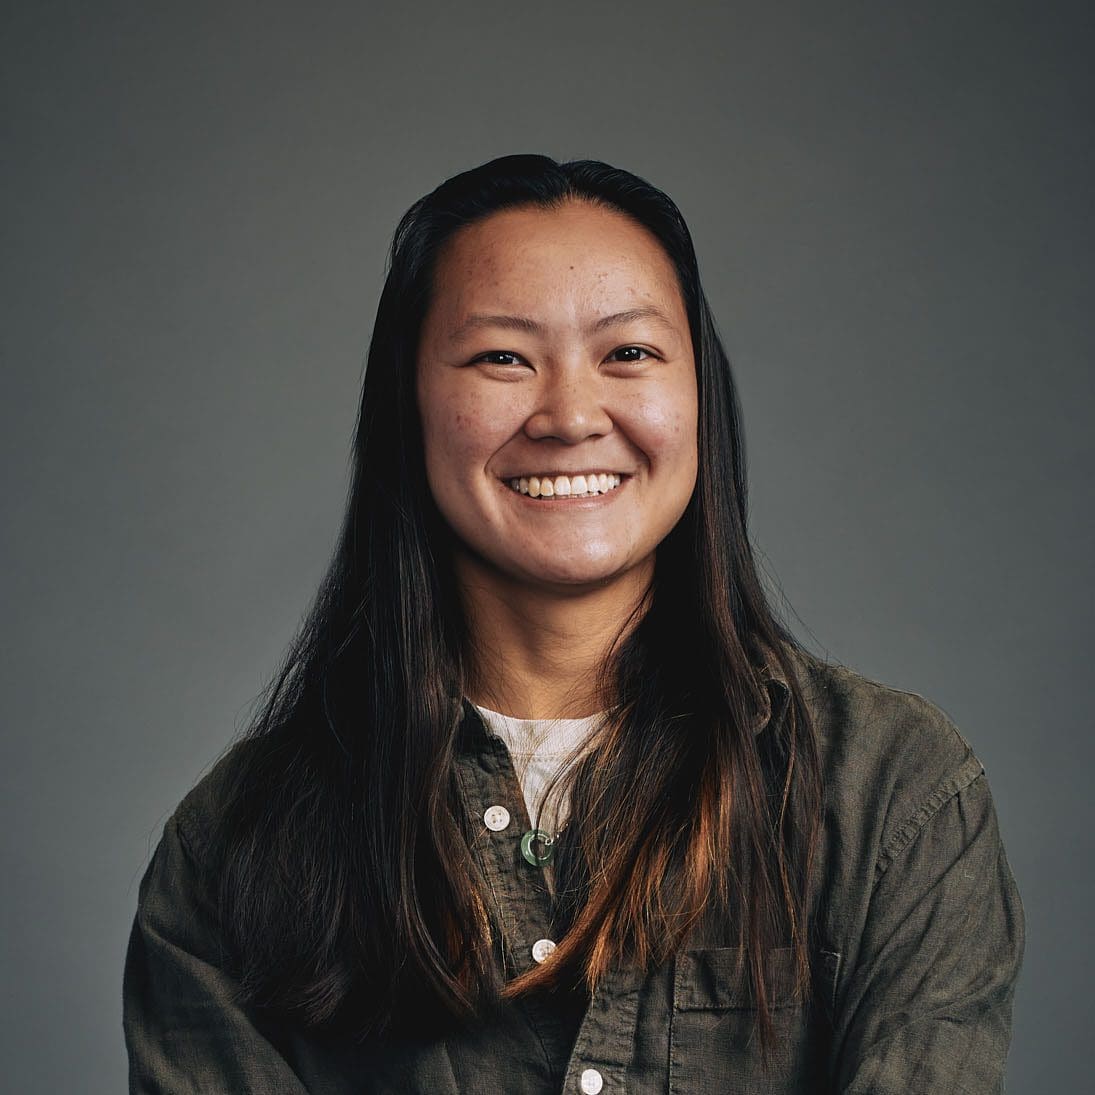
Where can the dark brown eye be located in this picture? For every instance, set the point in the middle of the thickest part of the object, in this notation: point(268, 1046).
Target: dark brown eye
point(630, 350)
point(497, 354)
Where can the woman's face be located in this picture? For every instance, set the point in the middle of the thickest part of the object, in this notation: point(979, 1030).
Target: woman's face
point(556, 360)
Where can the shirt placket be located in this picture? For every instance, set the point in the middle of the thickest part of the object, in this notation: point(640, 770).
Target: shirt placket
point(605, 1044)
point(522, 903)
point(522, 907)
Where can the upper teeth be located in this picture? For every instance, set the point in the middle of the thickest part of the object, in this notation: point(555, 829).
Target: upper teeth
point(564, 486)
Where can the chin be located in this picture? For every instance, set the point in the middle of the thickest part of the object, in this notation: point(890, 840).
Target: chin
point(543, 571)
point(574, 576)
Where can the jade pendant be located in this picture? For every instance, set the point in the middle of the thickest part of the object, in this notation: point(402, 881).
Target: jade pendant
point(544, 841)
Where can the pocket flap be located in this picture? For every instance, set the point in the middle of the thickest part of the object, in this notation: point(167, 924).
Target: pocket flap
point(718, 977)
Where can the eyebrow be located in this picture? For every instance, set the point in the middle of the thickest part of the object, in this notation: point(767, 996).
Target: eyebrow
point(526, 323)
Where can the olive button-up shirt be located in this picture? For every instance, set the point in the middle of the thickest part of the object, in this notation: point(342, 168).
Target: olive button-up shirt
point(918, 928)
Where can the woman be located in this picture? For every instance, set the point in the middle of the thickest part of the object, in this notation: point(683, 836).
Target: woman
point(544, 798)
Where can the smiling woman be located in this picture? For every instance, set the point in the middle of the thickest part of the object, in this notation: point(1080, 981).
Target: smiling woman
point(544, 797)
point(556, 350)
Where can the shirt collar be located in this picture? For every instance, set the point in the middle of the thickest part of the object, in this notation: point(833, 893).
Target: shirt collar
point(777, 690)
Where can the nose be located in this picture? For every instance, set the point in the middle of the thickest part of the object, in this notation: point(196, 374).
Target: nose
point(569, 408)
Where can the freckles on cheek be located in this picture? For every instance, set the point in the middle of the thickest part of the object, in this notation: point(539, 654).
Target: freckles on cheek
point(662, 422)
point(459, 426)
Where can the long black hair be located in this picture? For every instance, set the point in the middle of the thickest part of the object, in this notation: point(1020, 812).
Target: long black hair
point(345, 884)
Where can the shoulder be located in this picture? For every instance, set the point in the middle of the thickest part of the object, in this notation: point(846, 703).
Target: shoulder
point(196, 816)
point(891, 758)
point(867, 721)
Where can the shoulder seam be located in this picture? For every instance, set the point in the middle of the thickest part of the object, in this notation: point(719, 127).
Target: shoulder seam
point(191, 813)
point(971, 770)
point(189, 833)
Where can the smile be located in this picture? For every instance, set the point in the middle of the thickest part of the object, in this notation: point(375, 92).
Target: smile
point(566, 486)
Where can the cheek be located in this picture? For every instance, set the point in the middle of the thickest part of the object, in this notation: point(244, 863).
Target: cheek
point(665, 426)
point(461, 428)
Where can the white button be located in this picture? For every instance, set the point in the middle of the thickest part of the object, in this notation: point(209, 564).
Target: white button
point(496, 818)
point(591, 1082)
point(540, 950)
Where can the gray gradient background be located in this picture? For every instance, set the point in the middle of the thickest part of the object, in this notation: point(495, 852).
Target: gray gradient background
point(892, 207)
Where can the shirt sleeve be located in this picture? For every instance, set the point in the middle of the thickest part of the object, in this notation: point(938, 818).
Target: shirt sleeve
point(184, 1033)
point(928, 1006)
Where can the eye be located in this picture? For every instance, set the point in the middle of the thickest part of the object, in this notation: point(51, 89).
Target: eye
point(492, 354)
point(631, 350)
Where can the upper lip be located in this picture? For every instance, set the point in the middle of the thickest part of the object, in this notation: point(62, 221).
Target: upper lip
point(569, 474)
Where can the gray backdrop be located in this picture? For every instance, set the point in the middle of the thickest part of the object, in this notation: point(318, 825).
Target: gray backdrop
point(892, 206)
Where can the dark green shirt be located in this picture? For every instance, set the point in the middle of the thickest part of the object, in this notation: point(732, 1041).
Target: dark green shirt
point(919, 930)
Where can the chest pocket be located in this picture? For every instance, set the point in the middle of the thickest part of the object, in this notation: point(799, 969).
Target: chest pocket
point(714, 1038)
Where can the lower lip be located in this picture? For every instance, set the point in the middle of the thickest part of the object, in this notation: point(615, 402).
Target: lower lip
point(568, 501)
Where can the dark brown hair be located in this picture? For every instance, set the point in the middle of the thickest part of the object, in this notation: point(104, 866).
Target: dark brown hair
point(345, 883)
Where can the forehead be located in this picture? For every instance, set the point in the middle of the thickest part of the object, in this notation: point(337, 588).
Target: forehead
point(577, 256)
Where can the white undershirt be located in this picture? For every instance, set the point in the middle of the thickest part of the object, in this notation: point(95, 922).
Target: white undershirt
point(539, 747)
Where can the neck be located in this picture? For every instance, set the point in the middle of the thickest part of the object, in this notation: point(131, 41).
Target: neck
point(539, 653)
